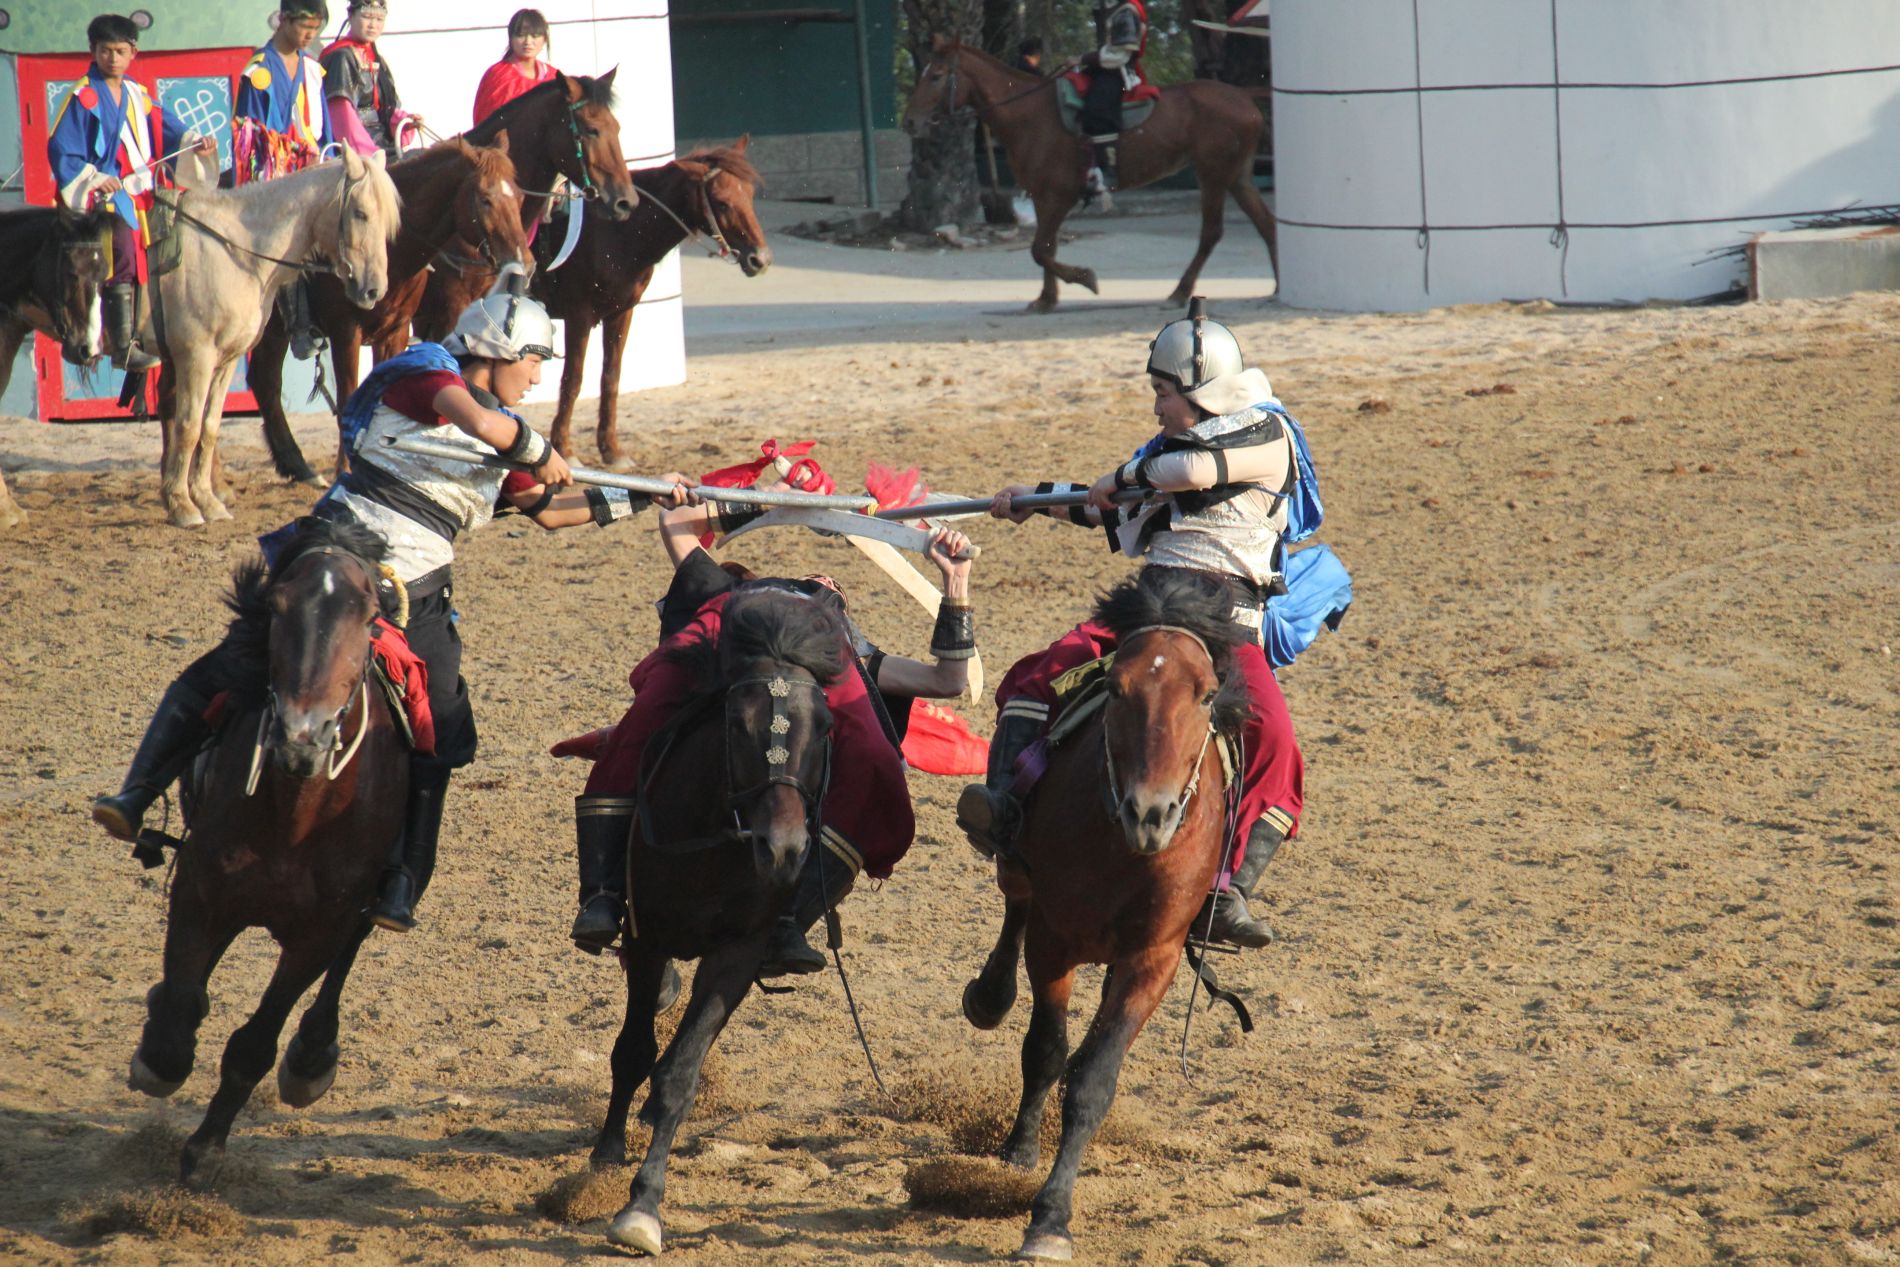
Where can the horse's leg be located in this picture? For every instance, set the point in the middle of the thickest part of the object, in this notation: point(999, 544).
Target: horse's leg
point(1045, 1046)
point(613, 342)
point(579, 331)
point(309, 1064)
point(1256, 208)
point(1137, 986)
point(633, 1053)
point(184, 423)
point(250, 1053)
point(267, 384)
point(1052, 208)
point(204, 466)
point(11, 335)
point(721, 982)
point(1213, 203)
point(988, 998)
point(346, 347)
point(195, 939)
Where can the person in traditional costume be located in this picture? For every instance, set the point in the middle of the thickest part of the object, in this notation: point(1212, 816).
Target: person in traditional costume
point(366, 112)
point(520, 69)
point(105, 148)
point(280, 123)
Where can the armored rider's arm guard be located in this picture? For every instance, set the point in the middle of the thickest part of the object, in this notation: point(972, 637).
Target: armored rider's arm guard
point(610, 505)
point(954, 638)
point(530, 446)
point(731, 516)
point(1077, 514)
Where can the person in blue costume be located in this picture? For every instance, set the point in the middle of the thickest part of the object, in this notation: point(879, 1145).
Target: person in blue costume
point(104, 147)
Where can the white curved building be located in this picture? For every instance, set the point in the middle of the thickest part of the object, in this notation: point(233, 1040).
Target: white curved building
point(1449, 151)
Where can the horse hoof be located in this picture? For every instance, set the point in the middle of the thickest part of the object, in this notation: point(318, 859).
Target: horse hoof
point(143, 1079)
point(607, 1157)
point(297, 1088)
point(1041, 306)
point(217, 512)
point(198, 1166)
point(1088, 280)
point(672, 985)
point(635, 1229)
point(187, 518)
point(1045, 1247)
point(979, 1016)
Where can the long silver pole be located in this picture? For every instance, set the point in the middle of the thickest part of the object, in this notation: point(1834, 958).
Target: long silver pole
point(634, 483)
point(959, 508)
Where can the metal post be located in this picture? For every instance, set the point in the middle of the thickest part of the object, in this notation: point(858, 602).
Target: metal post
point(865, 124)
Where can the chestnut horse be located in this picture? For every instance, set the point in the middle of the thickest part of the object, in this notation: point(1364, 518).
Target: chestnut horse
point(293, 815)
point(707, 193)
point(461, 208)
point(1214, 126)
point(564, 127)
point(1121, 839)
point(730, 802)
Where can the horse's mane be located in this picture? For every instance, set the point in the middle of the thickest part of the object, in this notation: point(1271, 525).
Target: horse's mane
point(593, 92)
point(490, 163)
point(727, 159)
point(383, 195)
point(769, 622)
point(1200, 604)
point(251, 581)
point(26, 230)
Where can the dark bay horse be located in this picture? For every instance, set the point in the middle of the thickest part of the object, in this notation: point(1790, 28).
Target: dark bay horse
point(706, 193)
point(461, 208)
point(52, 263)
point(565, 127)
point(1213, 126)
point(1121, 839)
point(293, 815)
point(730, 802)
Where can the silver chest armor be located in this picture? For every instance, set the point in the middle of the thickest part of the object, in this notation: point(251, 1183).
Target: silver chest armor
point(465, 494)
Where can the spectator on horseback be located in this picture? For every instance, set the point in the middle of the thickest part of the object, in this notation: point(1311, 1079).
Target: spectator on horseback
point(104, 147)
point(867, 820)
point(458, 392)
point(520, 69)
point(1221, 469)
point(365, 110)
point(1113, 73)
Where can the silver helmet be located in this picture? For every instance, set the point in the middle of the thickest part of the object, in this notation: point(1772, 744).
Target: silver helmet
point(1194, 351)
point(504, 324)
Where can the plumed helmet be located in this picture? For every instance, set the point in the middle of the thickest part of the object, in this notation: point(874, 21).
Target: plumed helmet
point(1194, 351)
point(504, 324)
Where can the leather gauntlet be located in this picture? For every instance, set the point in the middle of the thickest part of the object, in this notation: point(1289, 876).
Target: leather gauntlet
point(954, 638)
point(609, 505)
point(730, 516)
point(530, 446)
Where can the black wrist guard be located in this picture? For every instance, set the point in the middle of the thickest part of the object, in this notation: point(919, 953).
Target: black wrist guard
point(954, 638)
point(530, 447)
point(610, 504)
point(730, 516)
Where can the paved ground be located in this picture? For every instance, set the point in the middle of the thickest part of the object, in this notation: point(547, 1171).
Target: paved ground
point(819, 293)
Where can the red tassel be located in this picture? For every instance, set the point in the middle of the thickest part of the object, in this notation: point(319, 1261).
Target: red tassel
point(940, 742)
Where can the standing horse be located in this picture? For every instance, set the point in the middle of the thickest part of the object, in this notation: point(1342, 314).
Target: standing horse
point(1214, 126)
point(293, 816)
point(730, 801)
point(52, 264)
point(461, 208)
point(708, 192)
point(1121, 839)
point(237, 249)
point(564, 127)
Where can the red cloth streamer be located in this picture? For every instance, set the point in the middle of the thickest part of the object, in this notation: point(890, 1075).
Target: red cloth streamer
point(895, 488)
point(940, 742)
point(805, 474)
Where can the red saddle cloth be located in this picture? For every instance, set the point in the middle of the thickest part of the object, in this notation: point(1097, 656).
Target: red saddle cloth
point(1143, 91)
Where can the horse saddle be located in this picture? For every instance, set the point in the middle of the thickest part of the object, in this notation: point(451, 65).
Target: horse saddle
point(1135, 108)
point(161, 223)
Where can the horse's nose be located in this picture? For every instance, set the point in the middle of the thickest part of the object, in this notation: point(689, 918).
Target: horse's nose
point(755, 261)
point(623, 207)
point(1149, 822)
point(369, 296)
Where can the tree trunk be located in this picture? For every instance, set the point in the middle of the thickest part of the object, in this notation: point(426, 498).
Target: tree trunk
point(943, 188)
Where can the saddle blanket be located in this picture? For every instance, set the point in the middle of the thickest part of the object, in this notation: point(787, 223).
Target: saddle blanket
point(1137, 102)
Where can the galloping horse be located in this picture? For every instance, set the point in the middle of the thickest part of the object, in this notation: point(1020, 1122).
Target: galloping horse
point(1120, 838)
point(293, 815)
point(237, 249)
point(461, 208)
point(708, 192)
point(52, 264)
point(729, 803)
point(1214, 126)
point(565, 127)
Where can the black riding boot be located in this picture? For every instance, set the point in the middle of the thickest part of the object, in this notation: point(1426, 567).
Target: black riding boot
point(119, 306)
point(177, 730)
point(822, 883)
point(602, 825)
point(1233, 922)
point(407, 876)
point(988, 814)
point(306, 337)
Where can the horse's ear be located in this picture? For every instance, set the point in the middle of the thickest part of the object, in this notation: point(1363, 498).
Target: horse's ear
point(501, 141)
point(694, 168)
point(378, 159)
point(607, 80)
point(745, 139)
point(571, 84)
point(353, 165)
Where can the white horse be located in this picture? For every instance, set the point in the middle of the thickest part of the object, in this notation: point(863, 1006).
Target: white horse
point(237, 249)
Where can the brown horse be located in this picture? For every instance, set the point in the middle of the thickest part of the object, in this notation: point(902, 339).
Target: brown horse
point(1214, 126)
point(461, 208)
point(1120, 839)
point(730, 804)
point(565, 127)
point(708, 192)
point(293, 815)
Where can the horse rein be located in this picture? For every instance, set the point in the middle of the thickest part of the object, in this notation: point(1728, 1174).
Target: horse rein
point(947, 106)
point(712, 221)
point(314, 264)
point(1113, 786)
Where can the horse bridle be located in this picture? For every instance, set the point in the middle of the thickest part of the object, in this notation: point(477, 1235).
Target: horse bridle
point(947, 106)
point(1112, 786)
point(315, 263)
point(65, 267)
point(778, 756)
point(706, 208)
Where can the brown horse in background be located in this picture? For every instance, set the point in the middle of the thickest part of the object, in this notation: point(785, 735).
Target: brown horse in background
point(293, 815)
point(461, 208)
point(1214, 126)
point(708, 193)
point(565, 127)
point(1121, 840)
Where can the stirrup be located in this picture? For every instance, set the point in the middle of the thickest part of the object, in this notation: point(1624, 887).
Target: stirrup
point(592, 940)
point(395, 905)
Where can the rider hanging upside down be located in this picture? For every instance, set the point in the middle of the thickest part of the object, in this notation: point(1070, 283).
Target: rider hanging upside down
point(867, 816)
point(1221, 466)
point(458, 393)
